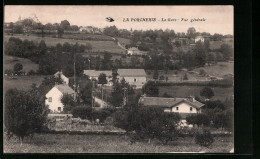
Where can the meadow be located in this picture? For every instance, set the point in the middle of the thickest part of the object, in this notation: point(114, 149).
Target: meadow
point(217, 44)
point(22, 82)
point(185, 91)
point(217, 70)
point(65, 143)
point(97, 46)
point(10, 61)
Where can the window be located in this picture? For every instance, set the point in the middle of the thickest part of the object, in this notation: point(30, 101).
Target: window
point(59, 108)
point(50, 99)
point(135, 79)
point(190, 108)
point(177, 108)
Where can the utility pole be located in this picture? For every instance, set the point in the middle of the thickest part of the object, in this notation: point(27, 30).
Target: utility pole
point(92, 100)
point(74, 76)
point(89, 64)
point(124, 96)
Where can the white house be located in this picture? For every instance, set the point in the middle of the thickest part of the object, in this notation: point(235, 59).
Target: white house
point(53, 97)
point(135, 51)
point(183, 106)
point(199, 38)
point(135, 77)
point(93, 74)
point(62, 76)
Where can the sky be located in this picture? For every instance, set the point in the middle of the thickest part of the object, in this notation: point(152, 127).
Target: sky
point(218, 18)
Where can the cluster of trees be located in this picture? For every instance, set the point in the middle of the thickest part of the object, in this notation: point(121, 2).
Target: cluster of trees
point(50, 59)
point(147, 123)
point(25, 49)
point(215, 113)
point(30, 26)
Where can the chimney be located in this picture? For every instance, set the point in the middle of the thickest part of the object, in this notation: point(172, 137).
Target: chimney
point(191, 98)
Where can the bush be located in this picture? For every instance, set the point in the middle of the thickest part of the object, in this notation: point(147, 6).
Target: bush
point(31, 72)
point(204, 139)
point(198, 119)
point(203, 72)
point(185, 77)
point(83, 112)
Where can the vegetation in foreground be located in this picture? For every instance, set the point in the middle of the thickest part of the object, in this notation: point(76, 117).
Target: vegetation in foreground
point(64, 143)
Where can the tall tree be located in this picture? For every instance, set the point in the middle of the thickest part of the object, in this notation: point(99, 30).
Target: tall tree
point(151, 89)
point(102, 79)
point(207, 93)
point(191, 32)
point(24, 113)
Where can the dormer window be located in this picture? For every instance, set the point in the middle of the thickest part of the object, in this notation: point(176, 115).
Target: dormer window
point(190, 108)
point(177, 108)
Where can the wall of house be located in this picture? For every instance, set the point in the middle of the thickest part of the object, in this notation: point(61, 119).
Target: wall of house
point(184, 108)
point(56, 95)
point(138, 81)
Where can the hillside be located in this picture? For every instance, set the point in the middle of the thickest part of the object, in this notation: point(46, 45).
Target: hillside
point(10, 61)
point(98, 46)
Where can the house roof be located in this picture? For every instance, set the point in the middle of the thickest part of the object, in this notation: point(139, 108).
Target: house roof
point(95, 73)
point(65, 89)
point(131, 72)
point(133, 49)
point(61, 75)
point(168, 102)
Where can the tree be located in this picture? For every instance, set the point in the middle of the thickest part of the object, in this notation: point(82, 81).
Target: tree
point(207, 93)
point(203, 72)
point(60, 31)
point(200, 54)
point(155, 75)
point(18, 68)
point(226, 51)
point(117, 95)
point(65, 24)
point(83, 112)
point(102, 79)
point(151, 89)
point(185, 77)
point(25, 113)
point(191, 32)
point(198, 119)
point(18, 29)
point(68, 102)
point(85, 90)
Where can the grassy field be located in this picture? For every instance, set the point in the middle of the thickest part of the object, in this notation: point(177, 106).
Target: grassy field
point(10, 61)
point(124, 41)
point(98, 46)
point(216, 44)
point(185, 91)
point(218, 70)
point(22, 82)
point(64, 143)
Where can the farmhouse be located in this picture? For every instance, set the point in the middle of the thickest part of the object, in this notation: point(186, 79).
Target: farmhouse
point(135, 51)
point(53, 97)
point(93, 75)
point(199, 38)
point(62, 76)
point(135, 77)
point(183, 106)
